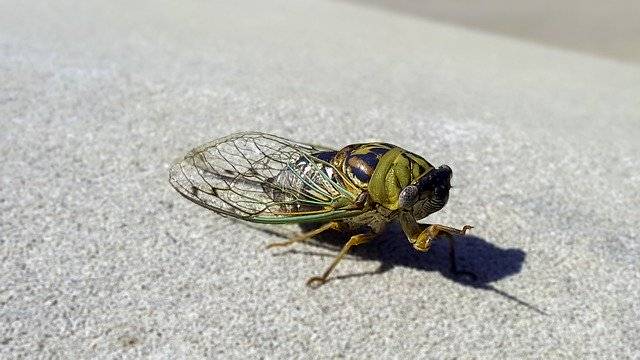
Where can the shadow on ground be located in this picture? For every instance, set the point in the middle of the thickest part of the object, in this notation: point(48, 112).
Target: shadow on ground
point(475, 255)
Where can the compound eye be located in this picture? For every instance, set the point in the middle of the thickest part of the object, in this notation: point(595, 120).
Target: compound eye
point(408, 196)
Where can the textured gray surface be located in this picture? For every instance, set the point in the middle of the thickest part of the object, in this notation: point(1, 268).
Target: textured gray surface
point(100, 257)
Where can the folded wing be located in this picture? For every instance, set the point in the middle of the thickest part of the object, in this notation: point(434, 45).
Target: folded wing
point(263, 178)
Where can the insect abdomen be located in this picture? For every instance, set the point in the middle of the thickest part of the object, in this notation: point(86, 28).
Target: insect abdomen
point(295, 179)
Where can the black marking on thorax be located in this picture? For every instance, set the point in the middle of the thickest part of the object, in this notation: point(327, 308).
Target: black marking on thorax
point(359, 161)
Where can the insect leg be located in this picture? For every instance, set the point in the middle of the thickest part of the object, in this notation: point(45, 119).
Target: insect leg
point(421, 235)
point(437, 229)
point(430, 232)
point(306, 236)
point(316, 281)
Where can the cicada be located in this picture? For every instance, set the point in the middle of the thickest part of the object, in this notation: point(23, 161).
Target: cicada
point(359, 189)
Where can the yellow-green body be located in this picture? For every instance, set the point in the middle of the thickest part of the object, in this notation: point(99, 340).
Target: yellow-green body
point(264, 178)
point(396, 169)
point(376, 174)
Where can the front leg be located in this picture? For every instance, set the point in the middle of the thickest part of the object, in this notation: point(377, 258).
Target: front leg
point(421, 236)
point(430, 232)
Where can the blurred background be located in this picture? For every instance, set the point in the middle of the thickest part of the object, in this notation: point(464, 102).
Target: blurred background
point(605, 28)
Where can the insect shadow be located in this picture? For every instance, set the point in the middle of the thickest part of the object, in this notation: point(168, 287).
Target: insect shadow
point(486, 262)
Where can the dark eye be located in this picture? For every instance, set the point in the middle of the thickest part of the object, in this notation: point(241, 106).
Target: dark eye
point(408, 196)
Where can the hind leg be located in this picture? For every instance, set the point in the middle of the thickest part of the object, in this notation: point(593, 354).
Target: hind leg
point(316, 281)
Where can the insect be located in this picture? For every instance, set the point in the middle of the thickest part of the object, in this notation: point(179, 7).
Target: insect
point(360, 188)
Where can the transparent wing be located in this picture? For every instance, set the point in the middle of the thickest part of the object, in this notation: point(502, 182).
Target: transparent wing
point(263, 178)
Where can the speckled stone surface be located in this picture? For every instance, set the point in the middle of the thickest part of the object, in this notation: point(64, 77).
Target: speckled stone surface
point(101, 258)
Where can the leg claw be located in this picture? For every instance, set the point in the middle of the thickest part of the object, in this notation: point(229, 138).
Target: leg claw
point(316, 281)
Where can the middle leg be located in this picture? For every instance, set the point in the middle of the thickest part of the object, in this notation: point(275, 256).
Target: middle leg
point(307, 235)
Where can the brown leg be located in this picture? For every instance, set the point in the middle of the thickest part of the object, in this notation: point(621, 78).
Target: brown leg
point(316, 281)
point(430, 232)
point(305, 236)
point(421, 235)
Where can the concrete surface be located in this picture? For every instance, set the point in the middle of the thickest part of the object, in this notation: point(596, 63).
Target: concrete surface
point(101, 258)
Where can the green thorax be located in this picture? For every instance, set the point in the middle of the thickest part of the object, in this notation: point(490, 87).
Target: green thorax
point(381, 169)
